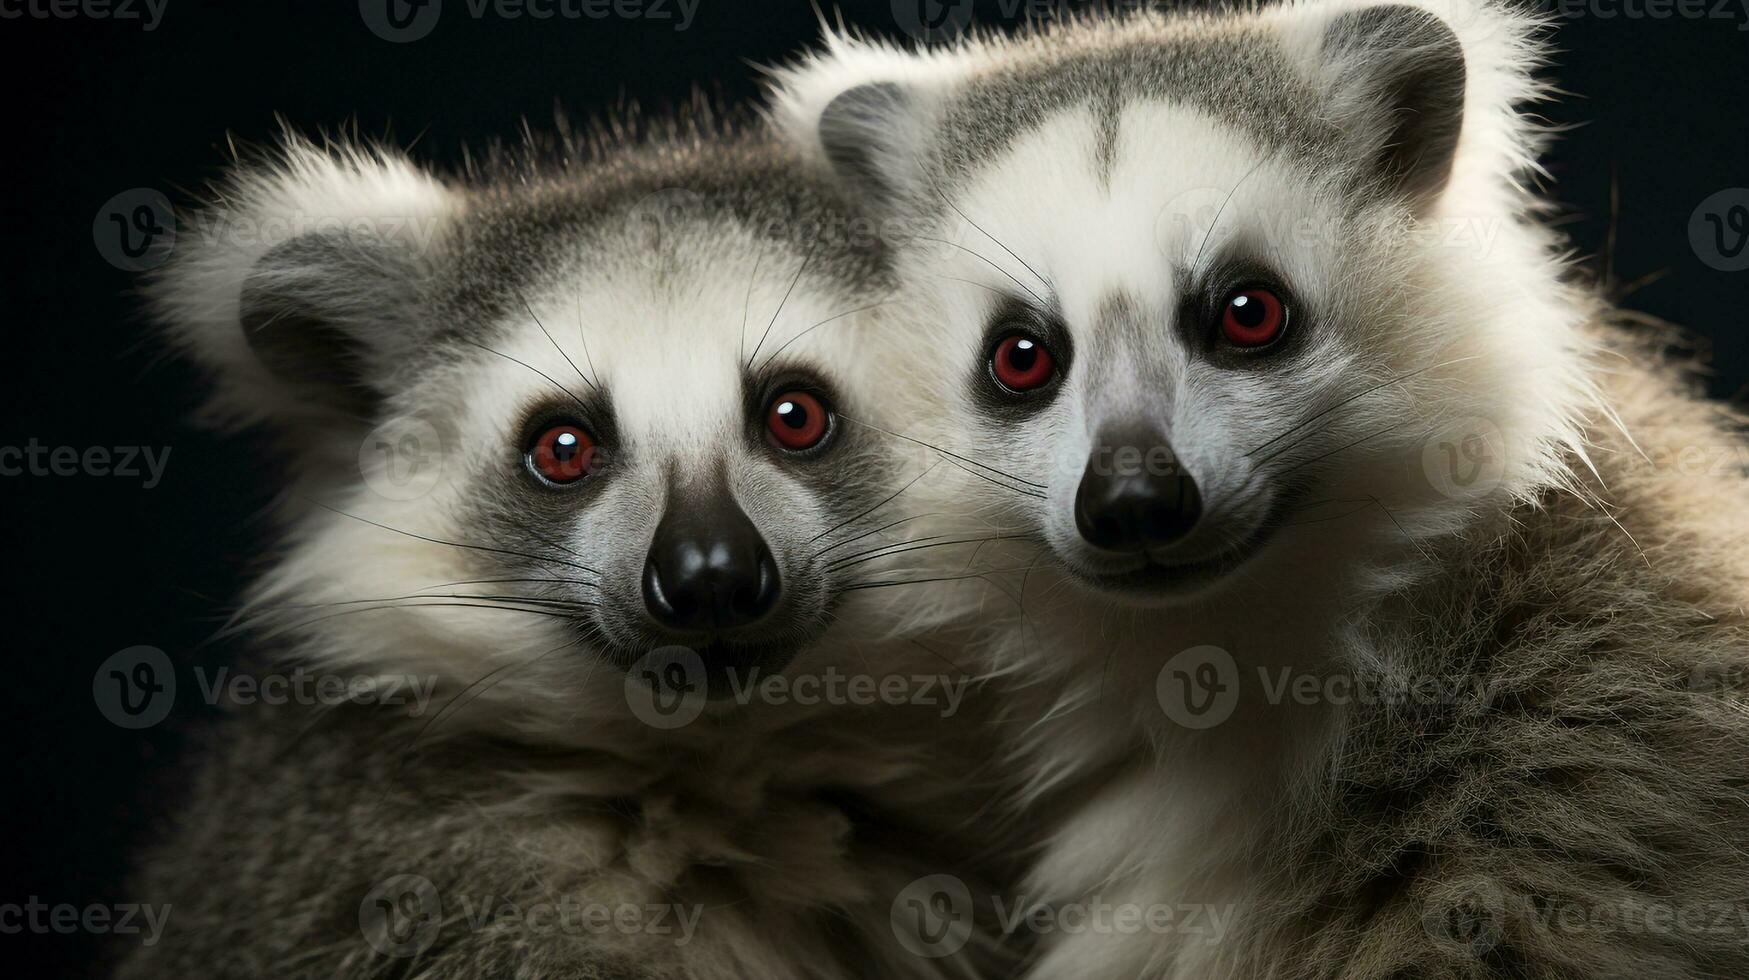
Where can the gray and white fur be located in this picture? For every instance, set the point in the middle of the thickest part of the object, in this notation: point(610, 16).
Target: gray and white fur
point(1455, 473)
point(658, 291)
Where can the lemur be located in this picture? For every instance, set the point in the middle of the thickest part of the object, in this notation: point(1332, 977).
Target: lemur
point(658, 479)
point(1368, 609)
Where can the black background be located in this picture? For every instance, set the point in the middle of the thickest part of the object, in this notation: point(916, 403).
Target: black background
point(97, 107)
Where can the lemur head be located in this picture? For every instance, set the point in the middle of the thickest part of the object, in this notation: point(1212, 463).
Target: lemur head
point(543, 418)
point(1214, 289)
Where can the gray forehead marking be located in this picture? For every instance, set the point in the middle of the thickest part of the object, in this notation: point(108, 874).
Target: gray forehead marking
point(1122, 331)
point(1108, 116)
point(522, 228)
point(1235, 72)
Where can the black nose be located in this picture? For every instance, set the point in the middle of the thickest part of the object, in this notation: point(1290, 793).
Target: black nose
point(708, 568)
point(1134, 494)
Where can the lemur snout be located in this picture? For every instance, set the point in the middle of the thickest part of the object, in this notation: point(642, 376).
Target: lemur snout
point(1134, 494)
point(708, 568)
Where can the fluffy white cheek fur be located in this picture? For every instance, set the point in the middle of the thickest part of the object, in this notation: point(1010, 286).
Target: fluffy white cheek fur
point(673, 367)
point(1134, 228)
point(1399, 415)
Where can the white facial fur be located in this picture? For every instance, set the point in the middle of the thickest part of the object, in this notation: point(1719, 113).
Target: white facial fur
point(679, 341)
point(1419, 329)
point(1408, 329)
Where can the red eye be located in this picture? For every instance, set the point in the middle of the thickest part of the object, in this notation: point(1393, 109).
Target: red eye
point(797, 420)
point(562, 454)
point(1253, 317)
point(1022, 363)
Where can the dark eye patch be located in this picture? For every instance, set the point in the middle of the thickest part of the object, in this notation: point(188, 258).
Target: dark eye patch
point(1009, 402)
point(1204, 300)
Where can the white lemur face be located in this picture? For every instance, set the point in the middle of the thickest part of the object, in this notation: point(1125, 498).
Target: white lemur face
point(1209, 300)
point(547, 425)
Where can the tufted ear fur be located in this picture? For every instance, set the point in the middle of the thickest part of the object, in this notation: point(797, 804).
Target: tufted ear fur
point(865, 109)
point(301, 287)
point(1431, 93)
point(871, 138)
point(1394, 77)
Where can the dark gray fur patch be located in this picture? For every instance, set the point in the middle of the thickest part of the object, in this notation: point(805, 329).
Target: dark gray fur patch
point(322, 341)
point(852, 129)
point(1414, 66)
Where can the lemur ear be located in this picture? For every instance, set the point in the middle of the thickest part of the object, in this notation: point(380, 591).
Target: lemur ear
point(322, 310)
point(868, 135)
point(865, 109)
point(1394, 76)
point(304, 287)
